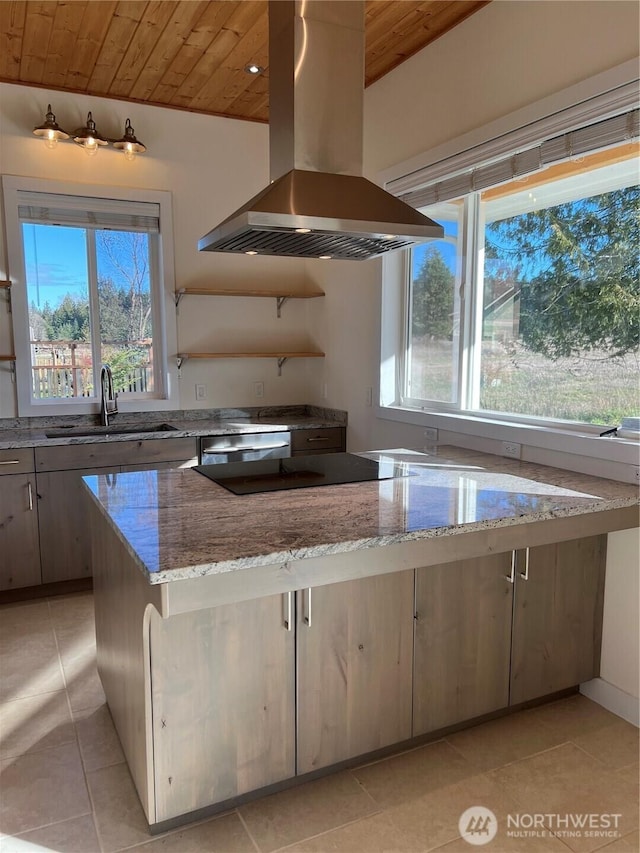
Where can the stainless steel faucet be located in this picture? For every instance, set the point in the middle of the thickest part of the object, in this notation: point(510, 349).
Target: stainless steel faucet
point(108, 399)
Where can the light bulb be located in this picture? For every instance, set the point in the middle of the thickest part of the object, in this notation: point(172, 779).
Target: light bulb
point(51, 139)
point(129, 152)
point(91, 146)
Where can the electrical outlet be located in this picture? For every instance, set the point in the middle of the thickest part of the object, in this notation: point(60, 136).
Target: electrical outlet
point(258, 389)
point(325, 391)
point(201, 391)
point(431, 434)
point(512, 449)
point(636, 472)
point(368, 395)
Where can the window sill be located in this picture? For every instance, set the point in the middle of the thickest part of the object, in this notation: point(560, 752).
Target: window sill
point(625, 452)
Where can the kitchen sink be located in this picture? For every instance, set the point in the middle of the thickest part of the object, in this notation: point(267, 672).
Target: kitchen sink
point(75, 432)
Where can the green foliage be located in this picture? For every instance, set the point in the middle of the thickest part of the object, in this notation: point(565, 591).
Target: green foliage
point(125, 362)
point(576, 266)
point(68, 322)
point(433, 294)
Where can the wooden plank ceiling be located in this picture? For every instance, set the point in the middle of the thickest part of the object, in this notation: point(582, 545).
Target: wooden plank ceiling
point(187, 54)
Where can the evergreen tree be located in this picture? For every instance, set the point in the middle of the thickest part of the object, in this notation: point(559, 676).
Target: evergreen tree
point(433, 297)
point(579, 273)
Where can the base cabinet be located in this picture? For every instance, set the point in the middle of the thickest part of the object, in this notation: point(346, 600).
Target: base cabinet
point(215, 703)
point(223, 700)
point(65, 540)
point(354, 653)
point(19, 548)
point(557, 617)
point(310, 442)
point(504, 629)
point(462, 641)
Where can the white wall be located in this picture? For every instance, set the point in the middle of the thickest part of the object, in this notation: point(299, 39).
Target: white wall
point(509, 54)
point(620, 664)
point(618, 687)
point(211, 166)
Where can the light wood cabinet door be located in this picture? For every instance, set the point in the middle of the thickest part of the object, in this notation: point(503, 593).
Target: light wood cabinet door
point(62, 497)
point(223, 698)
point(65, 538)
point(19, 546)
point(462, 641)
point(557, 618)
point(353, 668)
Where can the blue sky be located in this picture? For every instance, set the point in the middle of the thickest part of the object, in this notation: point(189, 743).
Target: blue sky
point(447, 250)
point(56, 263)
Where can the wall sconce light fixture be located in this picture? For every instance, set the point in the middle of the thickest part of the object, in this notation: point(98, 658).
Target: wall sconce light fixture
point(129, 144)
point(88, 137)
point(50, 130)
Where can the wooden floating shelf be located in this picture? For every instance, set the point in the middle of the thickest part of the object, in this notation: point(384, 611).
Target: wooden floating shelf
point(7, 358)
point(279, 355)
point(280, 296)
point(5, 284)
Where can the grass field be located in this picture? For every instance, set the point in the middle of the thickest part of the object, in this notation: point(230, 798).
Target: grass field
point(589, 388)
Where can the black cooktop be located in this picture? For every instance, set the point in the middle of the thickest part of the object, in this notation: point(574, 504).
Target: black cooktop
point(272, 475)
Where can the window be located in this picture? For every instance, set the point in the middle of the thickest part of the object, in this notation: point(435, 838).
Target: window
point(89, 289)
point(528, 309)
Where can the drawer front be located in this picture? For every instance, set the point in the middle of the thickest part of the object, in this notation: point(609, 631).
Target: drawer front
point(16, 461)
point(113, 454)
point(316, 440)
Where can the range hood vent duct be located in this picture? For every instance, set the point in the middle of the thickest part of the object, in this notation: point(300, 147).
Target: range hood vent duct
point(318, 204)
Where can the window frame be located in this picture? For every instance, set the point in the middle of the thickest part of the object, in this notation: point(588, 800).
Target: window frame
point(473, 239)
point(598, 97)
point(162, 278)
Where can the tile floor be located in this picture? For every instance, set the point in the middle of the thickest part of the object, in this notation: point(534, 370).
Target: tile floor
point(65, 786)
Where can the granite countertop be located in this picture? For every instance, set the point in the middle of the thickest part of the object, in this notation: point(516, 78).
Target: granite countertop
point(31, 432)
point(178, 524)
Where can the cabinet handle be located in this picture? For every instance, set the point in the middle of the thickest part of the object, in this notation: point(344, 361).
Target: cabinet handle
point(288, 610)
point(319, 439)
point(525, 575)
point(30, 492)
point(512, 576)
point(306, 607)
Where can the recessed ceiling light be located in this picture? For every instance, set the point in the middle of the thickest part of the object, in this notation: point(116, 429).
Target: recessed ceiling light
point(388, 236)
point(252, 68)
point(251, 252)
point(303, 230)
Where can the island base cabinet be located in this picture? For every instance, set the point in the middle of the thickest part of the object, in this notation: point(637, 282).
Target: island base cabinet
point(462, 641)
point(354, 643)
point(557, 617)
point(223, 703)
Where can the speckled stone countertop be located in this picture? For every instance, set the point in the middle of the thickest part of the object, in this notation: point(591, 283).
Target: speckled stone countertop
point(32, 432)
point(178, 524)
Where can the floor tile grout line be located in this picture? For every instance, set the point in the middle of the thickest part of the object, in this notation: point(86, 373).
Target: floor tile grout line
point(605, 767)
point(79, 746)
point(328, 831)
point(365, 790)
point(44, 826)
point(248, 831)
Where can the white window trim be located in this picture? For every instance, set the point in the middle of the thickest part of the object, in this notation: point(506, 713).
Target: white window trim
point(588, 101)
point(165, 328)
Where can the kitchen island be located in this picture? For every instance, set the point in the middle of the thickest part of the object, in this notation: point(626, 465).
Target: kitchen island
point(245, 642)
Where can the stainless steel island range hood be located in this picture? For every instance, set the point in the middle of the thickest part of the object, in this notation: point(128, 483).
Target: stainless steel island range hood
point(318, 204)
